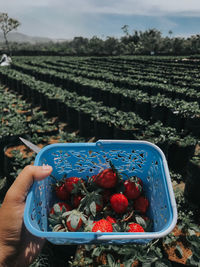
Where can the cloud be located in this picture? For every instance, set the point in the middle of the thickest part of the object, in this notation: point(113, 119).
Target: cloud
point(123, 7)
point(69, 18)
point(131, 7)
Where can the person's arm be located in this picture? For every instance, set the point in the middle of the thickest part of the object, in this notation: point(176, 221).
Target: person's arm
point(18, 247)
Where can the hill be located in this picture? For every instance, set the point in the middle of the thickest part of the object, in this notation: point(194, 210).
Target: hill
point(23, 38)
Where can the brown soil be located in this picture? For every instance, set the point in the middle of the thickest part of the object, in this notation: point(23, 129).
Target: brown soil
point(172, 255)
point(182, 243)
point(22, 149)
point(54, 140)
point(19, 111)
point(25, 151)
point(180, 186)
point(197, 150)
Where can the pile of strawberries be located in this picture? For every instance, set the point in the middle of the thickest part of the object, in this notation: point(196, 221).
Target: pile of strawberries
point(101, 203)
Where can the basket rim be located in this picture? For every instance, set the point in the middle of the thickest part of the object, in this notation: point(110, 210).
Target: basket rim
point(106, 236)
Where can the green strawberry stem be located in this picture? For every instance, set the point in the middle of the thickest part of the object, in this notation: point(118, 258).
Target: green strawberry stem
point(84, 188)
point(54, 178)
point(128, 217)
point(115, 170)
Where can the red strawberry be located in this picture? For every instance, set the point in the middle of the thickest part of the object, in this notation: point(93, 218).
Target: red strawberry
point(106, 179)
point(133, 187)
point(61, 204)
point(135, 227)
point(106, 194)
point(111, 219)
point(61, 192)
point(99, 206)
point(141, 204)
point(74, 227)
point(119, 203)
point(102, 226)
point(70, 182)
point(76, 200)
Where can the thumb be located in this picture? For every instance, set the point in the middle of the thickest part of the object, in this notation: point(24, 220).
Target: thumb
point(19, 189)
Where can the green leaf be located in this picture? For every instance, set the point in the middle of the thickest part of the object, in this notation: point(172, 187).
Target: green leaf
point(111, 260)
point(56, 208)
point(128, 263)
point(162, 263)
point(96, 252)
point(146, 264)
point(74, 220)
point(93, 208)
point(141, 221)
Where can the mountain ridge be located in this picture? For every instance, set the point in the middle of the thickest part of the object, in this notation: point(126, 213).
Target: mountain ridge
point(24, 38)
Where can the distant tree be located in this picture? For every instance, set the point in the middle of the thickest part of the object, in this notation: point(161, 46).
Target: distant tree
point(178, 45)
point(112, 46)
point(125, 29)
point(150, 40)
point(170, 32)
point(96, 46)
point(7, 24)
point(80, 45)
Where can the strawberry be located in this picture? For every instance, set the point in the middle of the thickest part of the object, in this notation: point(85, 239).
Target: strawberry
point(61, 205)
point(99, 206)
point(133, 187)
point(111, 219)
point(102, 226)
point(141, 204)
point(71, 182)
point(73, 226)
point(76, 200)
point(106, 179)
point(135, 227)
point(61, 192)
point(119, 203)
point(74, 220)
point(106, 194)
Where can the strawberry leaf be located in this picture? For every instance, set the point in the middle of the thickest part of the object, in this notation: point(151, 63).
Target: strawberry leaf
point(93, 208)
point(74, 220)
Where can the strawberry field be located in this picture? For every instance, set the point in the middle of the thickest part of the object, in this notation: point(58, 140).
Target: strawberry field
point(84, 99)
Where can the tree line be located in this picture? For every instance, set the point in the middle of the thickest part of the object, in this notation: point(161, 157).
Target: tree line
point(146, 42)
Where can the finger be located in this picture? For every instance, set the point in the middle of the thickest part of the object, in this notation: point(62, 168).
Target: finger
point(19, 189)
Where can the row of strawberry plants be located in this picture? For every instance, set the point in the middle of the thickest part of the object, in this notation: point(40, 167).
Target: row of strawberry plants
point(189, 78)
point(150, 88)
point(147, 74)
point(176, 86)
point(175, 82)
point(184, 78)
point(179, 113)
point(158, 106)
point(17, 117)
point(100, 64)
point(130, 67)
point(92, 118)
point(149, 83)
point(152, 61)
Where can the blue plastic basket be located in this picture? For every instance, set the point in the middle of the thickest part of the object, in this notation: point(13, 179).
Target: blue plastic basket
point(139, 158)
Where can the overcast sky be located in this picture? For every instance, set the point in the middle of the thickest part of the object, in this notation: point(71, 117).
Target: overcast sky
point(70, 18)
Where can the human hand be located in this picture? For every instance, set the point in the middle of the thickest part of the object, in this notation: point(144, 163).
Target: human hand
point(18, 247)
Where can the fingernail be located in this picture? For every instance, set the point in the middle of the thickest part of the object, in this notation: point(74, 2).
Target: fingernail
point(46, 167)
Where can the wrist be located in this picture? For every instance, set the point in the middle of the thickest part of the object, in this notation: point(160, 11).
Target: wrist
point(2, 258)
point(5, 257)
